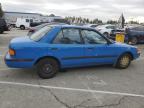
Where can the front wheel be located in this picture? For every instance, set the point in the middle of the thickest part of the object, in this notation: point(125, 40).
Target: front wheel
point(22, 27)
point(134, 40)
point(47, 68)
point(124, 61)
point(1, 30)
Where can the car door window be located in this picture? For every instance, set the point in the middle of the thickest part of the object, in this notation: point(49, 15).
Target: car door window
point(31, 20)
point(27, 20)
point(72, 36)
point(92, 37)
point(111, 27)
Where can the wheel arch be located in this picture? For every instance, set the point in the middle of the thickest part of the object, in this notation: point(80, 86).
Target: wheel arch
point(127, 52)
point(106, 32)
point(51, 57)
point(22, 25)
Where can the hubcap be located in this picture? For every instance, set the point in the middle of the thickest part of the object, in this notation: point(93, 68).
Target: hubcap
point(125, 61)
point(47, 68)
point(134, 40)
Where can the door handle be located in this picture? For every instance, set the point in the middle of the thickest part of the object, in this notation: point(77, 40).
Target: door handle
point(53, 48)
point(91, 48)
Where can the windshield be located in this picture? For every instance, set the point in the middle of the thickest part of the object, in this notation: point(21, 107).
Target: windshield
point(40, 33)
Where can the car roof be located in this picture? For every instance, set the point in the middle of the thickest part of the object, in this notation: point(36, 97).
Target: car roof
point(72, 26)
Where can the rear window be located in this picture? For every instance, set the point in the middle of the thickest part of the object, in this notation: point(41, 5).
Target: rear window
point(111, 27)
point(40, 33)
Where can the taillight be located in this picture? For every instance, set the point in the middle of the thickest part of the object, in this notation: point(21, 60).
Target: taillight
point(12, 52)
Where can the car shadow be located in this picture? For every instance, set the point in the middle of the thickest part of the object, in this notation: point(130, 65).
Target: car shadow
point(31, 74)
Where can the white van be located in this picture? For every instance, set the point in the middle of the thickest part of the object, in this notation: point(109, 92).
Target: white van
point(23, 23)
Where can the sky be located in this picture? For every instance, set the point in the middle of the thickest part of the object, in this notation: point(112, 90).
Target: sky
point(101, 9)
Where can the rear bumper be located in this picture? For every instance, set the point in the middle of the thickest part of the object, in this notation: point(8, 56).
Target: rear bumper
point(18, 63)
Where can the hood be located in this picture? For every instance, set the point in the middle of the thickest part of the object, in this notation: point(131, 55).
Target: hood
point(124, 45)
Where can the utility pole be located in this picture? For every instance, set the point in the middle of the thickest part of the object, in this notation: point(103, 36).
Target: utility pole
point(1, 11)
point(121, 21)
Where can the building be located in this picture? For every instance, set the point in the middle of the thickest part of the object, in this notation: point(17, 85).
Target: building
point(11, 17)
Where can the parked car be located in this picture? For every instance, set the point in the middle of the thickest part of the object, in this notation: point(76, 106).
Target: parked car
point(106, 30)
point(3, 26)
point(135, 34)
point(114, 32)
point(58, 47)
point(91, 25)
point(25, 23)
point(36, 28)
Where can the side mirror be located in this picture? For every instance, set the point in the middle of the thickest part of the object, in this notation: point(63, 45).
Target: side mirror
point(65, 40)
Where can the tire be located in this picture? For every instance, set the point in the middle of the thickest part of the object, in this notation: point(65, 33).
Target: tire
point(124, 61)
point(106, 34)
point(47, 68)
point(1, 30)
point(134, 40)
point(22, 27)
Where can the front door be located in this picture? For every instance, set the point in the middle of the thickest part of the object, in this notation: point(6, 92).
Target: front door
point(97, 49)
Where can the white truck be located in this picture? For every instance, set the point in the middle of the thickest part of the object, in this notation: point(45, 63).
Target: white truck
point(23, 23)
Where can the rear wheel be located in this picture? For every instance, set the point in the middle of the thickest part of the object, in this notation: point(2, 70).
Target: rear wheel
point(47, 68)
point(22, 27)
point(1, 30)
point(134, 40)
point(124, 61)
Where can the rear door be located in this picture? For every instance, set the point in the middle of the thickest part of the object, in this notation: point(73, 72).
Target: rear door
point(71, 51)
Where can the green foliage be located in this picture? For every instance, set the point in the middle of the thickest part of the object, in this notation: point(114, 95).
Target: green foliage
point(1, 11)
point(80, 20)
point(51, 15)
point(111, 22)
point(133, 22)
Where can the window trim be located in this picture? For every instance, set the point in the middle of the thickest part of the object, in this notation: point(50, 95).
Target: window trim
point(108, 41)
point(61, 30)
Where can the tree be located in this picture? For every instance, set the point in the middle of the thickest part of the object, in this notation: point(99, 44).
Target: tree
point(80, 20)
point(1, 11)
point(133, 22)
point(111, 22)
point(97, 21)
point(51, 15)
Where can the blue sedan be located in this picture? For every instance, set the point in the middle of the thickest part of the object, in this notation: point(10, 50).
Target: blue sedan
point(64, 46)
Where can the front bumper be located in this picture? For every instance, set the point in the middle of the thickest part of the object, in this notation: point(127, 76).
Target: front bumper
point(18, 63)
point(137, 56)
